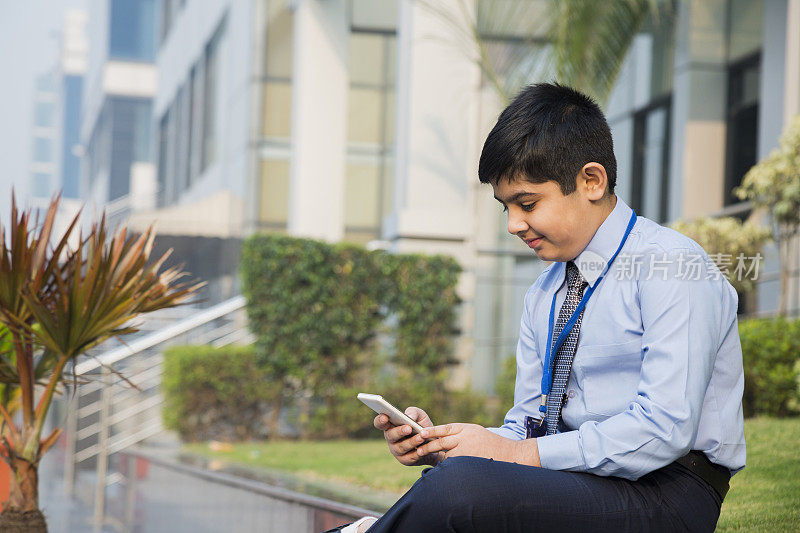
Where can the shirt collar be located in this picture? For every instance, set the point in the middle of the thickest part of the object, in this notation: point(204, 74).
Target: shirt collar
point(593, 259)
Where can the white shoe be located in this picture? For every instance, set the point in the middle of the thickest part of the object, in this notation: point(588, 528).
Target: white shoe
point(360, 526)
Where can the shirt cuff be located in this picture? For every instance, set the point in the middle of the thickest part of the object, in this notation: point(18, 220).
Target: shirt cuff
point(506, 432)
point(561, 451)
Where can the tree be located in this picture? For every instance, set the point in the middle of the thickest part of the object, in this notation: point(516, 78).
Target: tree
point(57, 302)
point(580, 43)
point(774, 184)
point(726, 240)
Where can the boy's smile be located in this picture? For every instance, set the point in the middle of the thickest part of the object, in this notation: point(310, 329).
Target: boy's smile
point(555, 226)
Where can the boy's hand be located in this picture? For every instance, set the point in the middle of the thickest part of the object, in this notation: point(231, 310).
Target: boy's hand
point(454, 440)
point(402, 444)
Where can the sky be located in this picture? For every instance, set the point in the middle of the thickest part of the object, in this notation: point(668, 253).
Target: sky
point(30, 41)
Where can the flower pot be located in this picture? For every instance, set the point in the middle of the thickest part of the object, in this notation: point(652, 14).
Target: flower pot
point(5, 483)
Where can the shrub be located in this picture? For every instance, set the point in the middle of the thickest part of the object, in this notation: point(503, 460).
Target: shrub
point(316, 309)
point(770, 352)
point(343, 416)
point(443, 405)
point(421, 293)
point(215, 393)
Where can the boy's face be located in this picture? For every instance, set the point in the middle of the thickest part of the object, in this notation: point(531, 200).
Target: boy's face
point(555, 226)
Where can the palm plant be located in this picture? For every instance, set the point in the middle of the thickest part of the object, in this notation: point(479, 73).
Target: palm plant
point(56, 302)
point(580, 43)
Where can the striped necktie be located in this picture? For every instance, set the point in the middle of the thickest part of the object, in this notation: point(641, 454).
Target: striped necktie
point(563, 360)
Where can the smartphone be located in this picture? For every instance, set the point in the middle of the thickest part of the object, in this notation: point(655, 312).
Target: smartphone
point(382, 407)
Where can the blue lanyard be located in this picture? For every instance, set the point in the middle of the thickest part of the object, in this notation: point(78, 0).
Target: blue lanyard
point(547, 375)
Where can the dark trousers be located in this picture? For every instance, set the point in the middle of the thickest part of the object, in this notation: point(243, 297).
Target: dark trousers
point(470, 494)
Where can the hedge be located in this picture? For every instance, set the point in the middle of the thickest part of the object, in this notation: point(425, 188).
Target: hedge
point(771, 354)
point(215, 393)
point(317, 309)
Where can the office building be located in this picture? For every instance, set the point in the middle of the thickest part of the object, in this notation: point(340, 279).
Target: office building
point(363, 120)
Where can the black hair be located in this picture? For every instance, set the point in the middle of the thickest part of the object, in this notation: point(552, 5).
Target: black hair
point(548, 133)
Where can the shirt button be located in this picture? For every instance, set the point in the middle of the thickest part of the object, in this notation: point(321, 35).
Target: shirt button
point(571, 394)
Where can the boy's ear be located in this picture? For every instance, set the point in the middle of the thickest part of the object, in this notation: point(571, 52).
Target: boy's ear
point(594, 181)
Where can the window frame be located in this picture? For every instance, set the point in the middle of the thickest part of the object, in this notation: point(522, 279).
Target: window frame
point(733, 111)
point(640, 117)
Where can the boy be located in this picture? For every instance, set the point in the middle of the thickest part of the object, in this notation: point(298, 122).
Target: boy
point(633, 417)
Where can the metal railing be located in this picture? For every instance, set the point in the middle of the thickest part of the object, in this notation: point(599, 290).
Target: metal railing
point(113, 409)
point(165, 494)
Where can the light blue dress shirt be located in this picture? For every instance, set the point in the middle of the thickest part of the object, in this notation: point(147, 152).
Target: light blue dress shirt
point(658, 367)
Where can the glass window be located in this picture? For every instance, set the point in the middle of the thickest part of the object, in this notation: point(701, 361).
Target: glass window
point(142, 117)
point(196, 125)
point(277, 108)
point(742, 123)
point(654, 175)
point(388, 126)
point(367, 59)
point(273, 208)
point(179, 146)
point(99, 149)
point(650, 176)
point(746, 21)
point(364, 120)
point(370, 131)
point(163, 155)
point(130, 141)
point(45, 114)
point(190, 123)
point(46, 83)
point(43, 150)
point(391, 59)
point(661, 28)
point(211, 96)
point(41, 184)
point(132, 29)
point(70, 163)
point(387, 191)
point(374, 14)
point(362, 182)
point(279, 40)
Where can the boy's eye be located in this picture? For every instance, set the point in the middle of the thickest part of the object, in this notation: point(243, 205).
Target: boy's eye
point(525, 207)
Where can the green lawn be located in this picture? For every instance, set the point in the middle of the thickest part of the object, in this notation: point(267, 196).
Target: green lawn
point(360, 472)
point(765, 496)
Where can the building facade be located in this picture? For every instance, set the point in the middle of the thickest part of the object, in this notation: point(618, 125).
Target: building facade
point(363, 120)
point(44, 161)
point(74, 63)
point(118, 167)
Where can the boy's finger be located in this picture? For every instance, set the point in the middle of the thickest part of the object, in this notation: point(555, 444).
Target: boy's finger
point(440, 431)
point(382, 422)
point(418, 415)
point(397, 433)
point(444, 444)
point(408, 445)
point(410, 458)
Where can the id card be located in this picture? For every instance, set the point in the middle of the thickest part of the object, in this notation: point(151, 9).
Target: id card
point(535, 427)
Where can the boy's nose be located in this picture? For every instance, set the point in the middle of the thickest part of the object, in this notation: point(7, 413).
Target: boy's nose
point(516, 224)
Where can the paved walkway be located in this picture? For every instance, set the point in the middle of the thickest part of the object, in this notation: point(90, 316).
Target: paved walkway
point(63, 515)
point(169, 496)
